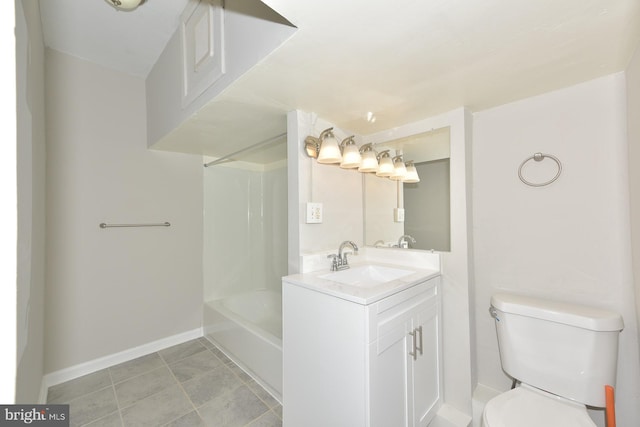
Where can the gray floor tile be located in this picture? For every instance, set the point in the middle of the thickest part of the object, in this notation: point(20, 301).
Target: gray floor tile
point(269, 400)
point(193, 366)
point(147, 392)
point(244, 377)
point(192, 419)
point(130, 391)
point(111, 420)
point(180, 351)
point(278, 411)
point(206, 387)
point(159, 409)
point(267, 420)
point(86, 384)
point(220, 354)
point(205, 342)
point(92, 406)
point(135, 367)
point(233, 409)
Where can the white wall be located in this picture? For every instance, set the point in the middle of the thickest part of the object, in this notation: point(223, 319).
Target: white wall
point(31, 201)
point(568, 241)
point(633, 133)
point(381, 195)
point(8, 196)
point(339, 190)
point(109, 290)
point(245, 228)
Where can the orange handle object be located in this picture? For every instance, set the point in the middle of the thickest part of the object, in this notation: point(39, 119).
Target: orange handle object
point(610, 409)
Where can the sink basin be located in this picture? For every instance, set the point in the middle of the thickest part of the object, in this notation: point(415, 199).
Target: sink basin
point(366, 275)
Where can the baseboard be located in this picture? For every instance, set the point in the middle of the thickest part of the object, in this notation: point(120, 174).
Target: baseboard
point(481, 395)
point(448, 416)
point(91, 366)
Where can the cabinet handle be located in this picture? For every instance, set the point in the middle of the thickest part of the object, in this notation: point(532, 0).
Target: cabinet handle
point(420, 333)
point(414, 354)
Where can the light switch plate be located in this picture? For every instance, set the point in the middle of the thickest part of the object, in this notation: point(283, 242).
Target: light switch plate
point(314, 213)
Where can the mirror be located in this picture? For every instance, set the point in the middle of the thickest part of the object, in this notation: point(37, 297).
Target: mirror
point(420, 211)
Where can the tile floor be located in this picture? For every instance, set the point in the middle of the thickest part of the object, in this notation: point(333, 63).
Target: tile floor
point(189, 385)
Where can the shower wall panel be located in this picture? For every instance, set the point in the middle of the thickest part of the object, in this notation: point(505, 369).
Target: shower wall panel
point(245, 226)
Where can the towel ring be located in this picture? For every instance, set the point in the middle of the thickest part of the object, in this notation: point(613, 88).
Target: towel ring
point(538, 157)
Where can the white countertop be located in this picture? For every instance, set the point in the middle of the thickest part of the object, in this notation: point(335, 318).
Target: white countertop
point(362, 294)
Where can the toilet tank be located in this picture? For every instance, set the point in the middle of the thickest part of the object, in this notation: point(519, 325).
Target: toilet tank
point(565, 349)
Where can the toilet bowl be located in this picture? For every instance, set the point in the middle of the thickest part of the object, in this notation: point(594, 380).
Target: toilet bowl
point(526, 406)
point(563, 355)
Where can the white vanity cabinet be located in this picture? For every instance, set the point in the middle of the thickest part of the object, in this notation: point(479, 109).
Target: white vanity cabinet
point(352, 364)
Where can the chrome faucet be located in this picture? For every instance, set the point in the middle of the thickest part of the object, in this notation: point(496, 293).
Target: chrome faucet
point(404, 240)
point(340, 261)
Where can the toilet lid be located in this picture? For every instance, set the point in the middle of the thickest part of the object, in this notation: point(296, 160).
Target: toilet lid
point(527, 407)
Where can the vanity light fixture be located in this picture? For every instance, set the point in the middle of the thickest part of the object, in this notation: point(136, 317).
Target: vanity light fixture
point(411, 176)
point(350, 154)
point(399, 169)
point(125, 4)
point(326, 149)
point(385, 164)
point(369, 161)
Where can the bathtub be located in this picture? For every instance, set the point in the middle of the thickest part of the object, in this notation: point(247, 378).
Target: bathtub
point(248, 329)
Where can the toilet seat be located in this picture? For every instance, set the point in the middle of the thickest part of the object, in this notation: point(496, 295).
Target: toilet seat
point(526, 406)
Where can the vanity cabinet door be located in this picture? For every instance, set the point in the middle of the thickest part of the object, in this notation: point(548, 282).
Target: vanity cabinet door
point(389, 376)
point(425, 376)
point(404, 363)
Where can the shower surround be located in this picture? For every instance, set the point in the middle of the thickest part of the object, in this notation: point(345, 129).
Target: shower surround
point(245, 257)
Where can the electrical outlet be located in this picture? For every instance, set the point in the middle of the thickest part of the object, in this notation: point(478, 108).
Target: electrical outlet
point(314, 213)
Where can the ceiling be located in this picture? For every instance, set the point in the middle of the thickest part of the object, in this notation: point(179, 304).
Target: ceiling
point(127, 41)
point(402, 61)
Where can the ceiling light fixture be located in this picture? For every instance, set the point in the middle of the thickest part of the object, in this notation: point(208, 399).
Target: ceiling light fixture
point(371, 118)
point(125, 4)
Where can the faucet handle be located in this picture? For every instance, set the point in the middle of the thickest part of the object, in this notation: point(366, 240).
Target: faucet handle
point(335, 261)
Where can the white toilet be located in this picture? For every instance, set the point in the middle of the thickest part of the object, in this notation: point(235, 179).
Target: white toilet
point(562, 354)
